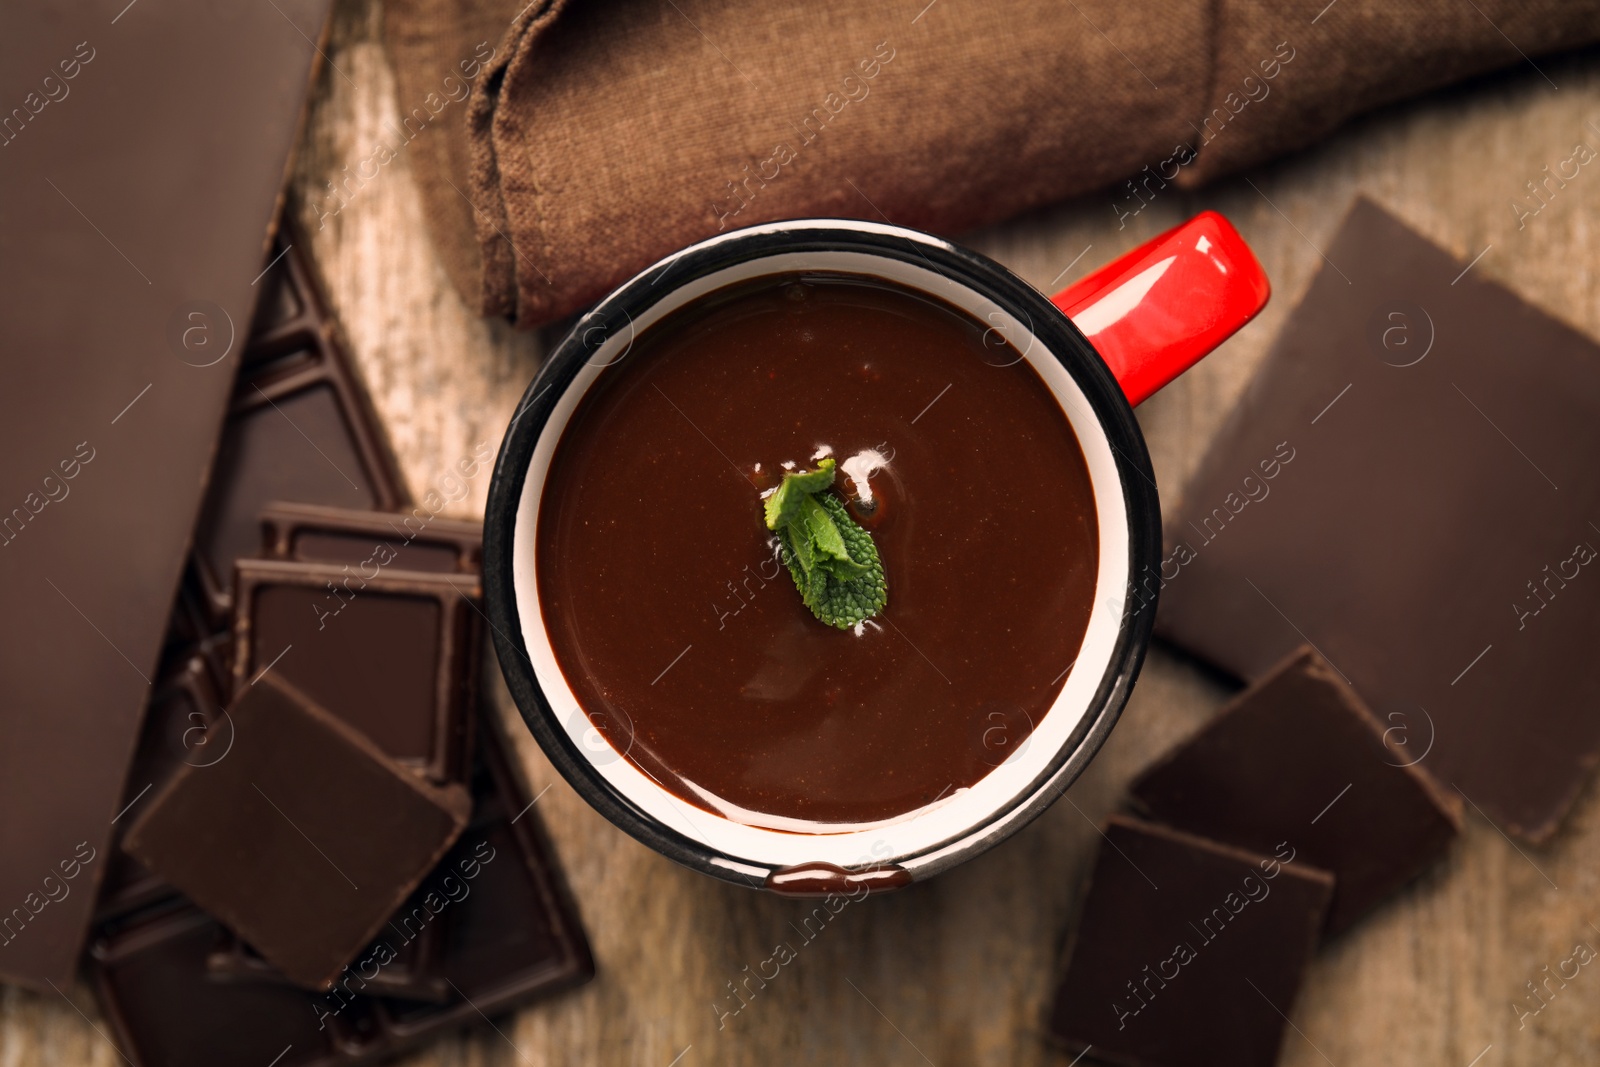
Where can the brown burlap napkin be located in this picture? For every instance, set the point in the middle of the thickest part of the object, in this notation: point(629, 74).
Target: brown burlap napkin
point(1355, 55)
point(602, 136)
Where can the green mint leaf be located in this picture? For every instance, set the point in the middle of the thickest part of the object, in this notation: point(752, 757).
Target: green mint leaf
point(827, 539)
point(833, 561)
point(784, 505)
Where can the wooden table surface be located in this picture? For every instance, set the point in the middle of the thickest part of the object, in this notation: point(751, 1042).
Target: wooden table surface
point(957, 971)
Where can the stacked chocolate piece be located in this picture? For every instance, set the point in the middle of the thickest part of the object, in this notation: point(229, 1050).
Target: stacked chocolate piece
point(1389, 540)
point(325, 854)
point(1283, 821)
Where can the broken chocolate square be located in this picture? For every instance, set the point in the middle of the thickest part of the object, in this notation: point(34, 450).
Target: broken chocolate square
point(1187, 952)
point(304, 839)
point(1297, 757)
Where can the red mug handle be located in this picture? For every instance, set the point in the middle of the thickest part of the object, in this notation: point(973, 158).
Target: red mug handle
point(1154, 312)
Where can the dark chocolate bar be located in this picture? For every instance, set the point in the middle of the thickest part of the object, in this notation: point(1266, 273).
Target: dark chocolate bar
point(1187, 952)
point(393, 653)
point(138, 204)
point(1406, 486)
point(165, 1011)
point(183, 725)
point(309, 533)
point(511, 936)
point(304, 838)
point(300, 428)
point(410, 973)
point(1297, 757)
point(512, 932)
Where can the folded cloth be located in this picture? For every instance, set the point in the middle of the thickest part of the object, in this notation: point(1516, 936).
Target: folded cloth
point(600, 137)
point(1354, 55)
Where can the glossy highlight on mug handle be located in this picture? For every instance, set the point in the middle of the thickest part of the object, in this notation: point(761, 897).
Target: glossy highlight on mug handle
point(1155, 311)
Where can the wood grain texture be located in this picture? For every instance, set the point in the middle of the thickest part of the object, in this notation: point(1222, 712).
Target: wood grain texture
point(957, 972)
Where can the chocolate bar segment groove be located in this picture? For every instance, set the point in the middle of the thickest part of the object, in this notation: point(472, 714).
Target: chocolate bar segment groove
point(300, 428)
point(316, 534)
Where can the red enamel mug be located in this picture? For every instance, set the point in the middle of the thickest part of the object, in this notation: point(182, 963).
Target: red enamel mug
point(1102, 346)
